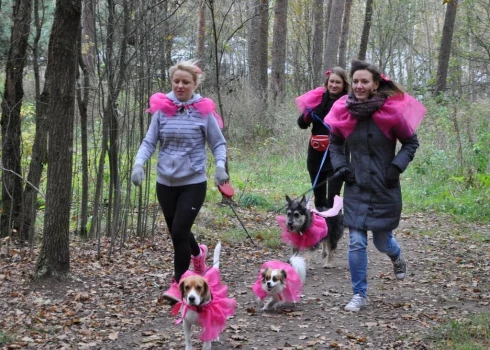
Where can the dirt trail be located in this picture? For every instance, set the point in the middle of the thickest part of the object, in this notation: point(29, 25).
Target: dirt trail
point(114, 305)
point(447, 278)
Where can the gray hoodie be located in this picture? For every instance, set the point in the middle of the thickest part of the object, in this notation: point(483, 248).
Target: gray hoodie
point(182, 156)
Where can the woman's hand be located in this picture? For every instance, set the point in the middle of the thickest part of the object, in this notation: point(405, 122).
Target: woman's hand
point(343, 174)
point(392, 177)
point(220, 176)
point(138, 175)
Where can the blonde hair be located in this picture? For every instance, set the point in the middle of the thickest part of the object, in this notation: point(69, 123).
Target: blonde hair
point(191, 67)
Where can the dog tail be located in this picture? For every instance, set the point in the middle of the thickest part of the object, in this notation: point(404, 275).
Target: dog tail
point(217, 252)
point(299, 265)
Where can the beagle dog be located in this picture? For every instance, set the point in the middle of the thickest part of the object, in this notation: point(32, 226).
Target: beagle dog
point(204, 303)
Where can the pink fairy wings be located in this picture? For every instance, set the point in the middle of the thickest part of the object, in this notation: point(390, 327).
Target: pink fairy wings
point(310, 99)
point(398, 118)
point(160, 102)
point(338, 203)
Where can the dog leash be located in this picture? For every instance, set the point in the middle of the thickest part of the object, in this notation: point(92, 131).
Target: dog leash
point(227, 191)
point(315, 184)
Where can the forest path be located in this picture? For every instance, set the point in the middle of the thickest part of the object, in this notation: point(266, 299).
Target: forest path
point(116, 305)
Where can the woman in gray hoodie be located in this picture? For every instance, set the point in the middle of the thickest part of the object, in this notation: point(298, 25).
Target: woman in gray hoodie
point(183, 122)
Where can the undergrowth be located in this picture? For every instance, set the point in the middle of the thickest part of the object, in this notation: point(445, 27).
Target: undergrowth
point(471, 333)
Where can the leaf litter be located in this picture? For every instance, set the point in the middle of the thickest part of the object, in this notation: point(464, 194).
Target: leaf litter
point(117, 304)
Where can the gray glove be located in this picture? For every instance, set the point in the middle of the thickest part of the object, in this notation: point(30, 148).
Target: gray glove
point(220, 176)
point(138, 175)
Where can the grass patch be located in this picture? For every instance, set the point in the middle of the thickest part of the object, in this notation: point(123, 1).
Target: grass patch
point(472, 333)
point(268, 237)
point(5, 338)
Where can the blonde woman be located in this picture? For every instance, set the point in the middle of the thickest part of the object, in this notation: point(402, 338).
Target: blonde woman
point(183, 122)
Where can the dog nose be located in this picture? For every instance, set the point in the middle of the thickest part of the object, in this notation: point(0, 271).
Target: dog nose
point(192, 299)
point(268, 284)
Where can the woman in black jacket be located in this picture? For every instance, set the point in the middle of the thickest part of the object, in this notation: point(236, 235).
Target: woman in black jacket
point(370, 121)
point(315, 105)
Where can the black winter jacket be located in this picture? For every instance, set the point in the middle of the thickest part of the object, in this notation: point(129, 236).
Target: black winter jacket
point(368, 203)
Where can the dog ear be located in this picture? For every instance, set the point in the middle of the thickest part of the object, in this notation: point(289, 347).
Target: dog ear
point(288, 200)
point(303, 201)
point(206, 292)
point(263, 272)
point(283, 275)
point(181, 288)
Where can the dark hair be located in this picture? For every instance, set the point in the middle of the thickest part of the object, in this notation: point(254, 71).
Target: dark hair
point(342, 74)
point(386, 88)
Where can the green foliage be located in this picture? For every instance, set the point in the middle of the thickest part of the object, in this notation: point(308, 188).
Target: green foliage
point(472, 333)
point(451, 170)
point(5, 338)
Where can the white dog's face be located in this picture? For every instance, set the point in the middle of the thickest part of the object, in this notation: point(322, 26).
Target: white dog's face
point(195, 290)
point(273, 280)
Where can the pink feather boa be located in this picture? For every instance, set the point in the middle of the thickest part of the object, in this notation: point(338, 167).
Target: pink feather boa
point(160, 102)
point(398, 118)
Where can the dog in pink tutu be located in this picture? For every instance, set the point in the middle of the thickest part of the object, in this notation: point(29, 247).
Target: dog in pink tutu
point(205, 303)
point(280, 281)
point(306, 229)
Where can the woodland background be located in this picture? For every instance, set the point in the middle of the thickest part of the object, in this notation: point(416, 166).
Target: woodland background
point(75, 77)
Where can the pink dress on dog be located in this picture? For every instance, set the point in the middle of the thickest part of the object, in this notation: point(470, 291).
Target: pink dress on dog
point(316, 232)
point(294, 286)
point(212, 316)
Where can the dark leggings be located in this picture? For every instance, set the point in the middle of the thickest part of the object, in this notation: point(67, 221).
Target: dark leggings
point(180, 207)
point(320, 192)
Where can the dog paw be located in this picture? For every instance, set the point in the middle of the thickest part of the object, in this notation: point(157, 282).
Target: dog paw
point(328, 266)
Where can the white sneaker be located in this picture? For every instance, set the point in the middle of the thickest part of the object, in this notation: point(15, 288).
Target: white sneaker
point(356, 303)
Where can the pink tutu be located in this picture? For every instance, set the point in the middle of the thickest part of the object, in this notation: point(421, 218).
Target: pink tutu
point(160, 102)
point(310, 99)
point(309, 238)
point(212, 316)
point(294, 286)
point(398, 118)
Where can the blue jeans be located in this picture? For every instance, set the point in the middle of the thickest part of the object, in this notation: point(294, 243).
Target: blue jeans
point(383, 241)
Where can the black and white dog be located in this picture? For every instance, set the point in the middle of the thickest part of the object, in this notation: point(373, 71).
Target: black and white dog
point(300, 221)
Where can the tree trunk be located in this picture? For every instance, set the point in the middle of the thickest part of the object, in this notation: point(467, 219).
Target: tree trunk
point(345, 33)
point(327, 21)
point(264, 44)
point(279, 49)
point(317, 50)
point(201, 33)
point(83, 99)
point(258, 46)
point(365, 30)
point(445, 48)
point(54, 257)
point(39, 156)
point(10, 120)
point(88, 35)
point(334, 31)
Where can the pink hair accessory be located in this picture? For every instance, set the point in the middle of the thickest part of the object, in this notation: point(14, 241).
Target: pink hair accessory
point(198, 70)
point(384, 77)
point(327, 73)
